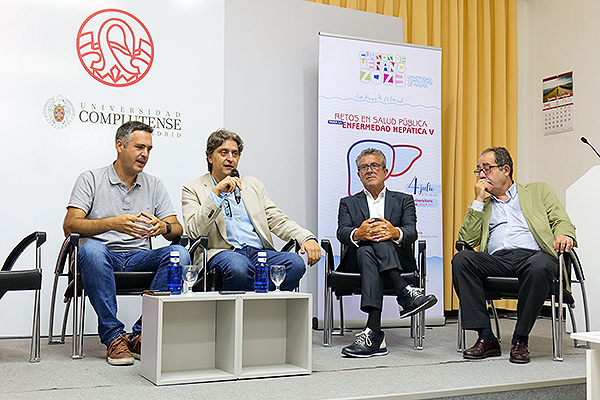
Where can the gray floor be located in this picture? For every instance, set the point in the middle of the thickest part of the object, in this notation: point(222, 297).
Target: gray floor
point(438, 371)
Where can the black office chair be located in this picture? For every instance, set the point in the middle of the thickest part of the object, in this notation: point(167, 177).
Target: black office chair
point(30, 279)
point(211, 280)
point(127, 283)
point(343, 283)
point(501, 287)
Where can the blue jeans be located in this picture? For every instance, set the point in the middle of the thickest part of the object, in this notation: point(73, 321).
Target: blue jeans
point(97, 265)
point(237, 267)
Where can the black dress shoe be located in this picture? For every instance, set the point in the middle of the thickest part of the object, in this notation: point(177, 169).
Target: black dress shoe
point(519, 353)
point(367, 344)
point(481, 350)
point(415, 301)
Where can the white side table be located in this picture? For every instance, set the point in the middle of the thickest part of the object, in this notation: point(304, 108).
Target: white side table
point(592, 357)
point(212, 337)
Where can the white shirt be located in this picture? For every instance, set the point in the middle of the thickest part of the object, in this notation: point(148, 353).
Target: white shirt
point(376, 210)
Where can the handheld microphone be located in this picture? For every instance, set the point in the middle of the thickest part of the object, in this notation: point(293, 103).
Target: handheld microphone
point(236, 192)
point(584, 140)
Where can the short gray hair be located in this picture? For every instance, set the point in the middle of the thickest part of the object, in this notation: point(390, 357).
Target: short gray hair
point(217, 138)
point(370, 151)
point(125, 131)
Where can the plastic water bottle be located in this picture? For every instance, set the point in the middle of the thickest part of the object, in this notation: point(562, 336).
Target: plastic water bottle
point(261, 275)
point(174, 274)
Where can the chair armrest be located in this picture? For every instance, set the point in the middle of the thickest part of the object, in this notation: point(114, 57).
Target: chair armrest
point(200, 243)
point(39, 237)
point(329, 264)
point(183, 240)
point(461, 245)
point(291, 245)
point(576, 265)
point(71, 241)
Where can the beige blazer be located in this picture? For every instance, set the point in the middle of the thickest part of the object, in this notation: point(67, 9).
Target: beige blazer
point(202, 217)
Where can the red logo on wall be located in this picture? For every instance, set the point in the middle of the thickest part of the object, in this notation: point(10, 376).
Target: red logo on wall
point(115, 47)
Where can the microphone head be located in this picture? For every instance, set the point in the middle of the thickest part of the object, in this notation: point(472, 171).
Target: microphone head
point(234, 173)
point(584, 140)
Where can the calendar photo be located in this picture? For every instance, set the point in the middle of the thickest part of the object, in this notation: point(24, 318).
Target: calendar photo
point(557, 96)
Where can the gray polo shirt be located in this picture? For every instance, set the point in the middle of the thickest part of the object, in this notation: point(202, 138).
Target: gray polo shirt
point(101, 194)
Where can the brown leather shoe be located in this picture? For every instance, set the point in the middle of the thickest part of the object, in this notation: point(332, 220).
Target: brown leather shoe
point(519, 353)
point(482, 350)
point(135, 345)
point(118, 353)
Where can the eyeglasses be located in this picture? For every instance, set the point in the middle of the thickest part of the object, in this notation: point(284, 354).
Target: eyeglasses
point(486, 169)
point(227, 208)
point(365, 167)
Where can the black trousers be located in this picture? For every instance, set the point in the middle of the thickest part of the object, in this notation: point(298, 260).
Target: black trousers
point(372, 258)
point(535, 270)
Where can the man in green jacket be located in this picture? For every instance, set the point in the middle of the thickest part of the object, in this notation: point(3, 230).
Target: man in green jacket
point(520, 229)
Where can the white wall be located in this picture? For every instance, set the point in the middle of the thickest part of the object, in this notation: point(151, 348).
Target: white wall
point(39, 163)
point(266, 52)
point(557, 36)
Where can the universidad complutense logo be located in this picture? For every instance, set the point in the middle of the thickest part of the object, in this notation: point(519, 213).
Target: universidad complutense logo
point(59, 111)
point(115, 47)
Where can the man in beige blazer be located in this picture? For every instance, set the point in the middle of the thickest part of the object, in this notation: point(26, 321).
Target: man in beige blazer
point(519, 230)
point(238, 230)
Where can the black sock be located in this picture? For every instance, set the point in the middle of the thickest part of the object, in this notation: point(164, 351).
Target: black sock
point(374, 320)
point(523, 339)
point(486, 334)
point(398, 282)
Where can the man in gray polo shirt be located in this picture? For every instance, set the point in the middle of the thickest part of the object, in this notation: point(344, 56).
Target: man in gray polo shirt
point(116, 210)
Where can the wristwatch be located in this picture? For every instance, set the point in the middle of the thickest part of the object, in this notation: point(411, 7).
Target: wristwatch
point(168, 228)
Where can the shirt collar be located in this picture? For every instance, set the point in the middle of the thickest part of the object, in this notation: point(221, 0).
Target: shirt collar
point(114, 178)
point(512, 193)
point(381, 194)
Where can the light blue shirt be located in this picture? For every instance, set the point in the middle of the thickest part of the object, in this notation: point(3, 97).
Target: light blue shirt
point(508, 227)
point(239, 228)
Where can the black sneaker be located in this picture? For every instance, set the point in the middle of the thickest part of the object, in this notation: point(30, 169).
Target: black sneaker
point(415, 301)
point(367, 344)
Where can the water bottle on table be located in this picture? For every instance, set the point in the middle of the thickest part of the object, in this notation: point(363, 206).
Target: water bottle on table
point(261, 275)
point(174, 274)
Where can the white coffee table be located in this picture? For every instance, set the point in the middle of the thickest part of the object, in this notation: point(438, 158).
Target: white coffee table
point(213, 337)
point(592, 357)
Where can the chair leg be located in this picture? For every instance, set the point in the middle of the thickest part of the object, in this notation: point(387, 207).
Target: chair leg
point(78, 325)
point(52, 309)
point(496, 320)
point(460, 345)
point(328, 317)
point(576, 343)
point(34, 355)
point(556, 330)
point(418, 330)
point(63, 331)
point(342, 325)
point(585, 313)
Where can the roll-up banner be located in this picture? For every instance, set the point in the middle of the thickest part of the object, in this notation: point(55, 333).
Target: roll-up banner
point(385, 96)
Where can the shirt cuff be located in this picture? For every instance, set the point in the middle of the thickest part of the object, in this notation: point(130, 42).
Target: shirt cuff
point(399, 240)
point(308, 238)
point(352, 237)
point(218, 200)
point(477, 205)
